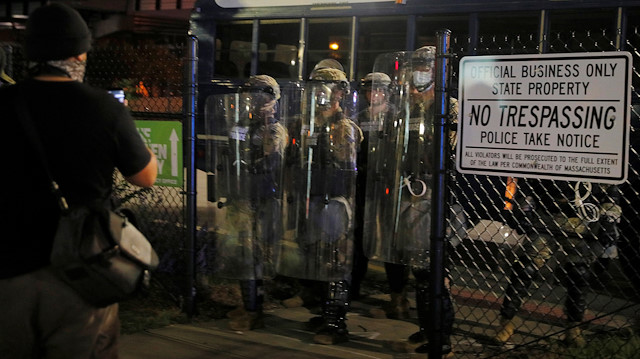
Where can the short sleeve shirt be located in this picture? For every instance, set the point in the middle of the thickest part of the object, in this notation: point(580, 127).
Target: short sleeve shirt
point(86, 135)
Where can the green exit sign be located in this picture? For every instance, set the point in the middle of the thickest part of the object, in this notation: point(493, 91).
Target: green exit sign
point(165, 140)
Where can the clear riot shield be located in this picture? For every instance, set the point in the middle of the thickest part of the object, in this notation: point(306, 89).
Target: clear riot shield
point(320, 179)
point(397, 221)
point(246, 155)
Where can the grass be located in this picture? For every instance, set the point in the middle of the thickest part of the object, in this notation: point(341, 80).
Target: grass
point(160, 306)
point(623, 344)
point(136, 319)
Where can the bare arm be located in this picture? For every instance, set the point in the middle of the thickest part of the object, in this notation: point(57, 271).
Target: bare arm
point(147, 176)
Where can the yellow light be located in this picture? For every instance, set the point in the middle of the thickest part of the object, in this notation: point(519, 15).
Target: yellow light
point(334, 46)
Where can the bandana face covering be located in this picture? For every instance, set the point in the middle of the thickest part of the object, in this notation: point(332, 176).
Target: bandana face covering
point(75, 69)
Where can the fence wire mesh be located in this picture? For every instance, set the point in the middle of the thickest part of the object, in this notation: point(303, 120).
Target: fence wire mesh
point(151, 76)
point(526, 267)
point(500, 253)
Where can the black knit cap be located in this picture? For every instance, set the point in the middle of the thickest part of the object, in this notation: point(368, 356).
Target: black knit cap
point(56, 32)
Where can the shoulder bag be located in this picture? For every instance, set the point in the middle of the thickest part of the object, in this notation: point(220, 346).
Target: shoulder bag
point(96, 250)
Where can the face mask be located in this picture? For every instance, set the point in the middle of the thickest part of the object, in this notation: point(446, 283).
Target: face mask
point(74, 68)
point(422, 79)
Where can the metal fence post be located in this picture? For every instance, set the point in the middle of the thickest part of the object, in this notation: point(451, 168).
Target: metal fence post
point(439, 194)
point(190, 102)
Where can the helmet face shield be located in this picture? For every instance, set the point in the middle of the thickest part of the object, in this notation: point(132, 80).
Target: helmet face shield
point(338, 90)
point(376, 94)
point(376, 87)
point(322, 95)
point(259, 89)
point(258, 102)
point(328, 93)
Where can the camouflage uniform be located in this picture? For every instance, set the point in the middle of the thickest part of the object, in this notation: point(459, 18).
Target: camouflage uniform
point(262, 210)
point(326, 240)
point(580, 219)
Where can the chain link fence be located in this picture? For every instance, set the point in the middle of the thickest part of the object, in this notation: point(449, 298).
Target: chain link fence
point(151, 76)
point(500, 249)
point(526, 264)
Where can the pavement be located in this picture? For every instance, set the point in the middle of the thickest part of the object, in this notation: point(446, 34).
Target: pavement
point(285, 334)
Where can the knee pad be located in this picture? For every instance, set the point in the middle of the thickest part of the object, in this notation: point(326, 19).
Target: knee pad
point(338, 293)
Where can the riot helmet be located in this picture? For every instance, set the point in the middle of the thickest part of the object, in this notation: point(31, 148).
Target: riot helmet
point(331, 75)
point(376, 87)
point(334, 81)
point(422, 64)
point(260, 95)
point(266, 84)
point(326, 64)
point(375, 80)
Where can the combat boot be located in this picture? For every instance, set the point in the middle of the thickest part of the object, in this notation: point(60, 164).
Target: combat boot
point(397, 308)
point(334, 315)
point(249, 321)
point(419, 337)
point(573, 336)
point(504, 333)
point(446, 350)
point(249, 315)
point(293, 302)
point(239, 311)
point(332, 334)
point(333, 329)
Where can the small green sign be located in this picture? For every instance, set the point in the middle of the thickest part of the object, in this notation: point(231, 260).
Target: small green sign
point(165, 140)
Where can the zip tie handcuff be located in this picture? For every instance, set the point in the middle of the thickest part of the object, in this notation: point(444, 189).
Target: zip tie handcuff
point(407, 182)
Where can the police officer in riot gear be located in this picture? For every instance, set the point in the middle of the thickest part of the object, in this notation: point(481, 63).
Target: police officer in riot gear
point(321, 205)
point(342, 139)
point(397, 214)
point(422, 106)
point(268, 141)
point(248, 191)
point(581, 219)
point(376, 89)
point(311, 291)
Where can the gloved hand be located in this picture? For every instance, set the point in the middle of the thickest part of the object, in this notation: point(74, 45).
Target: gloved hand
point(609, 218)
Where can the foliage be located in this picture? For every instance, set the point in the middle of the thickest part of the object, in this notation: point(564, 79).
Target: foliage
point(158, 307)
point(623, 344)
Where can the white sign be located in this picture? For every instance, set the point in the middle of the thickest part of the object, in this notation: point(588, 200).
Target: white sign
point(271, 3)
point(553, 116)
